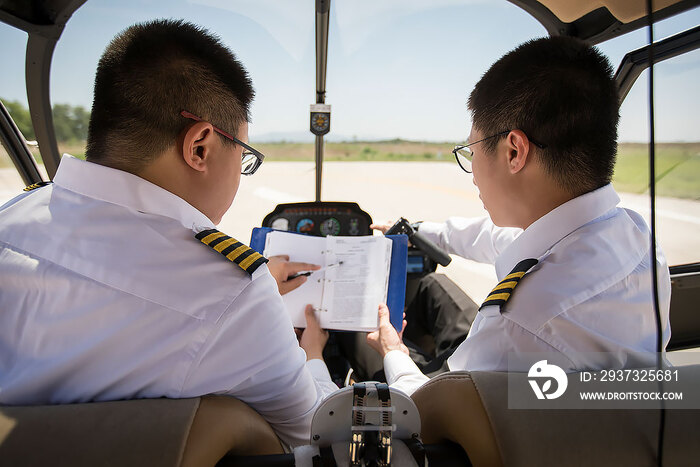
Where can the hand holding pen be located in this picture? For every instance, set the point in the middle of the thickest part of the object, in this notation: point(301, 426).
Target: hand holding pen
point(308, 273)
point(285, 272)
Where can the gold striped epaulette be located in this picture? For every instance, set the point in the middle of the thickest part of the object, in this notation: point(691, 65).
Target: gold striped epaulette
point(248, 259)
point(34, 186)
point(502, 292)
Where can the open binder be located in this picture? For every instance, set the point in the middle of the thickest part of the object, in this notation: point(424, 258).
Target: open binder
point(396, 288)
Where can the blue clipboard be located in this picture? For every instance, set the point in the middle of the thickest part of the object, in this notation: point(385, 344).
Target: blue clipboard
point(396, 295)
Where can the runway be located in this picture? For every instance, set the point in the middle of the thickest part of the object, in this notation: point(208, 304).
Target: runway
point(430, 191)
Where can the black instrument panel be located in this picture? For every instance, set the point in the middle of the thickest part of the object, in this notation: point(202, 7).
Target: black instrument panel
point(320, 218)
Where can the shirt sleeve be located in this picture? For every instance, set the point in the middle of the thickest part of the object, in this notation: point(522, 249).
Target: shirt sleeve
point(402, 373)
point(492, 338)
point(253, 354)
point(320, 374)
point(477, 239)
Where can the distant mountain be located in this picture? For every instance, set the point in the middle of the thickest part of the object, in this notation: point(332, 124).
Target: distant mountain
point(283, 136)
point(307, 137)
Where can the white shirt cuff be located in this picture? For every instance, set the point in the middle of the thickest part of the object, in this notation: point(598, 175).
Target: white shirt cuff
point(402, 373)
point(396, 364)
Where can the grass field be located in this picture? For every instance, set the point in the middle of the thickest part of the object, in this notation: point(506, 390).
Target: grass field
point(677, 169)
point(677, 164)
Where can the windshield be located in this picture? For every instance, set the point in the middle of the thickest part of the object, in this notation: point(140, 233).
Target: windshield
point(399, 73)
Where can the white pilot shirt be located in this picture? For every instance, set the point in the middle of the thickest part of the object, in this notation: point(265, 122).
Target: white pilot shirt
point(588, 301)
point(105, 294)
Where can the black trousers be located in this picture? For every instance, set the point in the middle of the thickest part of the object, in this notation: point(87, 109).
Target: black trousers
point(438, 320)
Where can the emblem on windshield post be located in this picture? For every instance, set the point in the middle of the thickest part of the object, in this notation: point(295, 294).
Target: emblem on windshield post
point(320, 119)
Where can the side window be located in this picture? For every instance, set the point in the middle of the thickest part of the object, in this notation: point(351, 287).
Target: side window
point(13, 96)
point(71, 125)
point(10, 182)
point(676, 92)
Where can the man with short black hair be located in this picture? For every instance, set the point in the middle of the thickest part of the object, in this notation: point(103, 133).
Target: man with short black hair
point(151, 72)
point(116, 284)
point(574, 270)
point(561, 94)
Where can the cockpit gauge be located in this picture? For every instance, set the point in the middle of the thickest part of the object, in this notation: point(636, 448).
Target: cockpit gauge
point(280, 224)
point(320, 119)
point(354, 227)
point(305, 225)
point(330, 226)
point(320, 122)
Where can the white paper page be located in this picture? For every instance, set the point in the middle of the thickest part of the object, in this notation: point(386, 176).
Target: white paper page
point(307, 250)
point(359, 285)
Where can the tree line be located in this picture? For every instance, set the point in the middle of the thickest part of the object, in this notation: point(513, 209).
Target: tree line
point(70, 122)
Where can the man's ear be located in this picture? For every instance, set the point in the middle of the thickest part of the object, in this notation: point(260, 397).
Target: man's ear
point(197, 144)
point(518, 150)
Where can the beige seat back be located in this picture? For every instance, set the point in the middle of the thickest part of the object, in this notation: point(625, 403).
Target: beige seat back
point(149, 432)
point(471, 409)
point(451, 410)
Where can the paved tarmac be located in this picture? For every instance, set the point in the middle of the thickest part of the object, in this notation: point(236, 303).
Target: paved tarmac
point(425, 191)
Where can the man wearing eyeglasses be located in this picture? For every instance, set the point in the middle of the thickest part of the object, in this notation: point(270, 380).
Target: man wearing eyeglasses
point(115, 283)
point(574, 270)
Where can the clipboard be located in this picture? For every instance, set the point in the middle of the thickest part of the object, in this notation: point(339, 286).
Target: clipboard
point(396, 293)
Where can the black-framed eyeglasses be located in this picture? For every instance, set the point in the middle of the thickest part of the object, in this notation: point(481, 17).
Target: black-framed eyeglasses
point(251, 158)
point(463, 153)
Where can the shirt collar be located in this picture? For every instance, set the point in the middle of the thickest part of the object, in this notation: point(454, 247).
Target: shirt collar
point(128, 190)
point(545, 232)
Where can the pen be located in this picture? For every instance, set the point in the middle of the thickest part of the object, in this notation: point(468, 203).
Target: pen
point(308, 273)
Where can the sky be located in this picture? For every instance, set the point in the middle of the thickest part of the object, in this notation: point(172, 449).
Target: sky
point(396, 68)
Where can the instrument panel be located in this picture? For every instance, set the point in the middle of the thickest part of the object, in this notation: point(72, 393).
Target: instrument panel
point(321, 218)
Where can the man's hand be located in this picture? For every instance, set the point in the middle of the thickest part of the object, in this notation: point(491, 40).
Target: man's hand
point(313, 339)
point(382, 227)
point(281, 268)
point(385, 339)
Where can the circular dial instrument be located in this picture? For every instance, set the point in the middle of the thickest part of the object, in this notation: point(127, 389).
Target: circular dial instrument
point(320, 122)
point(280, 223)
point(305, 226)
point(330, 226)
